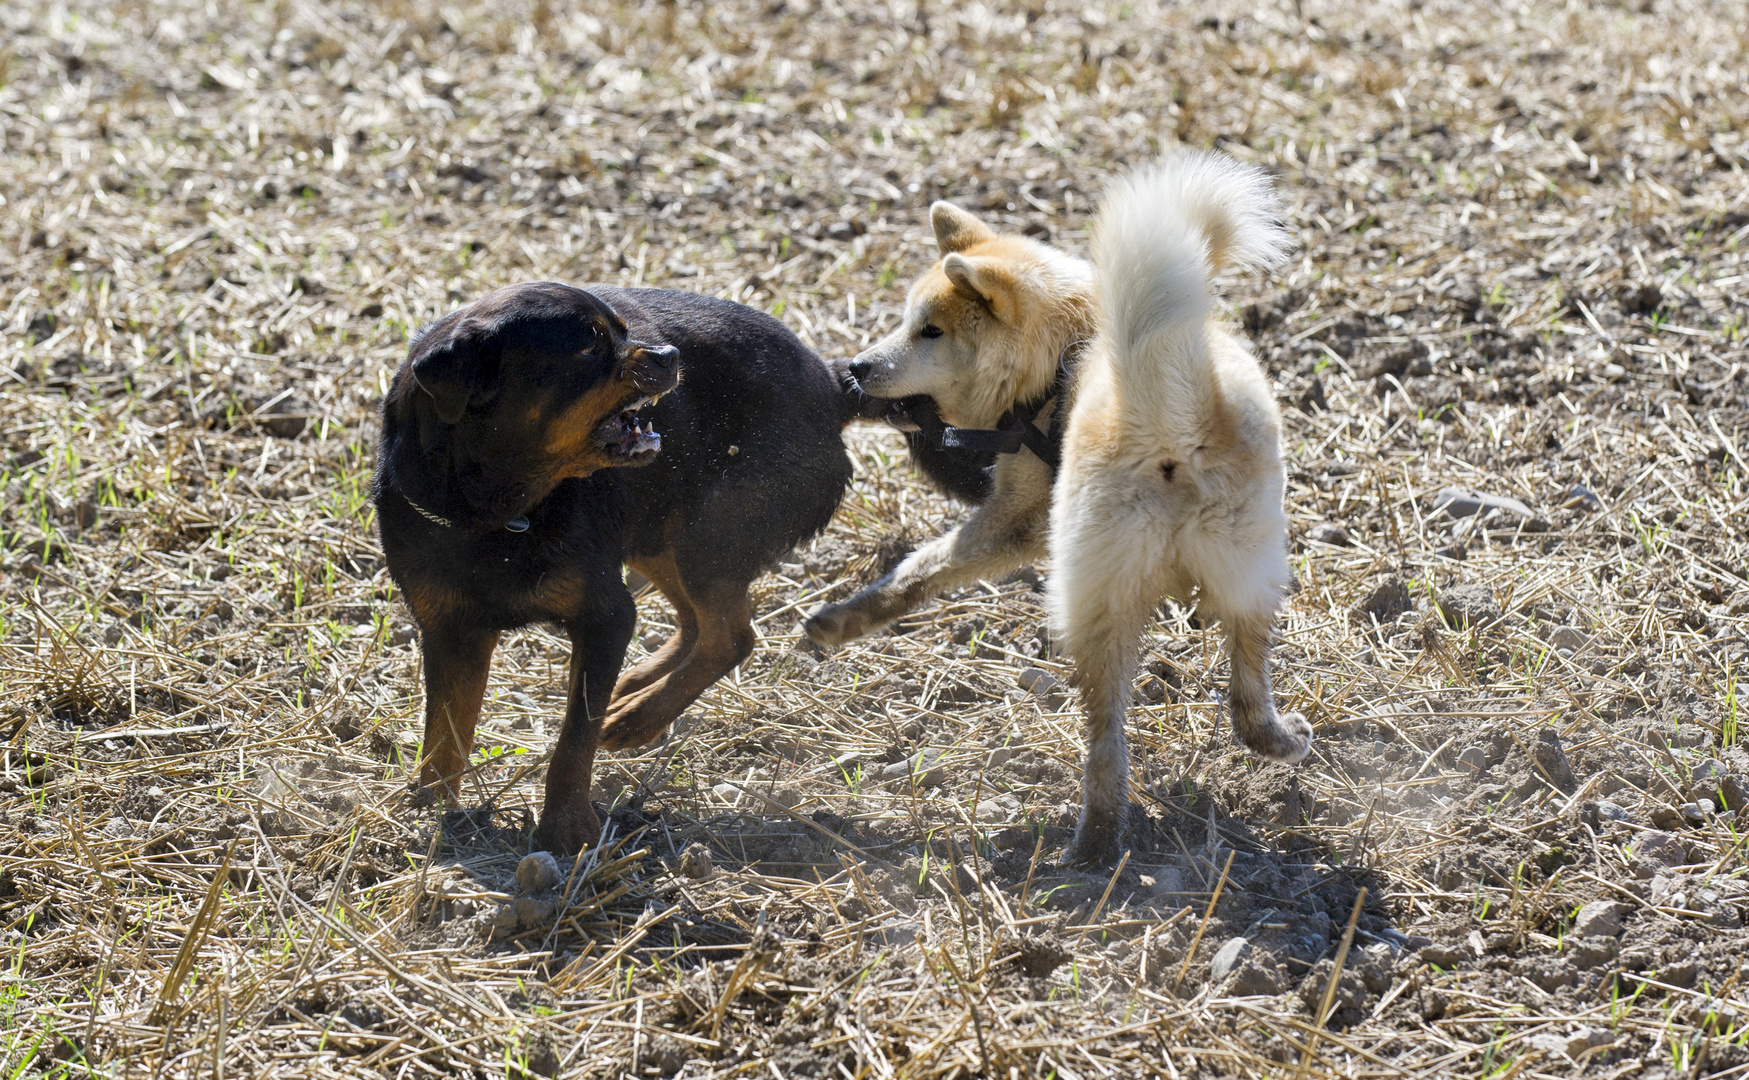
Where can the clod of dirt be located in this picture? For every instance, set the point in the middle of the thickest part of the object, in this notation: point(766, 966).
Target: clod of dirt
point(1445, 954)
point(1474, 758)
point(1388, 599)
point(537, 873)
point(540, 1059)
point(1592, 952)
point(1330, 533)
point(1599, 918)
point(1036, 681)
point(1348, 1004)
point(532, 912)
point(1639, 297)
point(1551, 758)
point(695, 862)
point(667, 1054)
point(1039, 956)
point(1469, 605)
point(1660, 848)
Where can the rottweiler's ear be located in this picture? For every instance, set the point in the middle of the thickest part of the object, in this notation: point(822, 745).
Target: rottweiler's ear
point(986, 279)
point(458, 368)
point(956, 230)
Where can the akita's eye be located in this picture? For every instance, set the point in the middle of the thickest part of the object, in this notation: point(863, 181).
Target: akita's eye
point(931, 331)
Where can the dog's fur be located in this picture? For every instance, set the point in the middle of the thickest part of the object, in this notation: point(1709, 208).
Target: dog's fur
point(1171, 481)
point(1172, 478)
point(513, 410)
point(983, 329)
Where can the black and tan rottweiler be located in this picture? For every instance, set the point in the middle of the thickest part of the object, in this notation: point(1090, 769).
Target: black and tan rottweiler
point(539, 439)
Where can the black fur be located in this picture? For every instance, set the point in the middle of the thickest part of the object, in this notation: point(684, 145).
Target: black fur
point(751, 463)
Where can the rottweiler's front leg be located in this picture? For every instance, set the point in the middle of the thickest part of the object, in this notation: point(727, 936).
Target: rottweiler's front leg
point(598, 647)
point(457, 659)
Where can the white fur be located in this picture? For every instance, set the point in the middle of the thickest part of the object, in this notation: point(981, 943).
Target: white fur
point(1164, 387)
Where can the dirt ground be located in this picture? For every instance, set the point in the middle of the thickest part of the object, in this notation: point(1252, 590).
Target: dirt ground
point(1513, 851)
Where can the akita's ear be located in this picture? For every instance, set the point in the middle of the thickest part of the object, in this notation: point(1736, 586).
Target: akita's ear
point(985, 279)
point(956, 230)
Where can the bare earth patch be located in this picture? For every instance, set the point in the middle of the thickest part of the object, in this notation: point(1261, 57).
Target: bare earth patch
point(1511, 355)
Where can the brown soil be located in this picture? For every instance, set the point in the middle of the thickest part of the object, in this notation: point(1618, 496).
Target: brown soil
point(1520, 275)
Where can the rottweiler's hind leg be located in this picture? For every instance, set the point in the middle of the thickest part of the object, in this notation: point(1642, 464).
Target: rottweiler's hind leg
point(725, 638)
point(665, 575)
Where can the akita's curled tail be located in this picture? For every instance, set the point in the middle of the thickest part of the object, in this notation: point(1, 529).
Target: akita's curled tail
point(1161, 233)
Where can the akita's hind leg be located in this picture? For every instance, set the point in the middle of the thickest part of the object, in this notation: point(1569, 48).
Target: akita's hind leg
point(1104, 662)
point(1276, 736)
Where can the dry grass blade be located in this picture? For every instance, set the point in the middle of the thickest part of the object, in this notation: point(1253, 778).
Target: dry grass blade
point(1330, 988)
point(196, 936)
point(1202, 927)
point(1522, 277)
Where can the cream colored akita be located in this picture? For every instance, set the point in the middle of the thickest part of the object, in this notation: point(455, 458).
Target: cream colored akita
point(1171, 478)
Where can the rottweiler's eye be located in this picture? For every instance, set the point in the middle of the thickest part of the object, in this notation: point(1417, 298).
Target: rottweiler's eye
point(588, 339)
point(932, 331)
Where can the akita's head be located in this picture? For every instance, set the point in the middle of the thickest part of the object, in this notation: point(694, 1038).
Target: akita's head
point(983, 327)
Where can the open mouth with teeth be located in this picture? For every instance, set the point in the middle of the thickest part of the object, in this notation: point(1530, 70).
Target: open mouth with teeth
point(623, 435)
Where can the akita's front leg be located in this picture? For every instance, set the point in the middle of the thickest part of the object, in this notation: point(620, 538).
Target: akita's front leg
point(1002, 535)
point(973, 551)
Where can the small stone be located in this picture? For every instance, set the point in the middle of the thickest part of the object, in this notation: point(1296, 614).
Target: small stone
point(1696, 813)
point(695, 862)
point(1551, 758)
point(1331, 534)
point(1661, 848)
point(1461, 503)
point(1599, 918)
point(998, 810)
point(1734, 790)
point(1609, 811)
point(1569, 640)
point(1580, 497)
point(1037, 681)
point(532, 912)
point(537, 873)
point(1474, 758)
point(651, 642)
point(1229, 957)
point(504, 918)
point(1168, 881)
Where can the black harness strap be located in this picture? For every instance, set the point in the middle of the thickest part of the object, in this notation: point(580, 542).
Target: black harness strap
point(1016, 428)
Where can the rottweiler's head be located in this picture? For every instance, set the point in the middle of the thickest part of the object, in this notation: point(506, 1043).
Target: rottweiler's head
point(539, 380)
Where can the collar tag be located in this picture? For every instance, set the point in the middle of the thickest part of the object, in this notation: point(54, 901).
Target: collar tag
point(518, 524)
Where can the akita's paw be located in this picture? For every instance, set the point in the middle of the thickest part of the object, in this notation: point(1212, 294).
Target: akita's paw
point(1098, 839)
point(1288, 741)
point(835, 625)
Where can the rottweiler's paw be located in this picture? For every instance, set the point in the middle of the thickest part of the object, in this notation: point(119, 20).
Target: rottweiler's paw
point(567, 829)
point(835, 625)
point(634, 721)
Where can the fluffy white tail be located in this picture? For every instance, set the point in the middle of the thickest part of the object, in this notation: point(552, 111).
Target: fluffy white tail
point(1161, 233)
